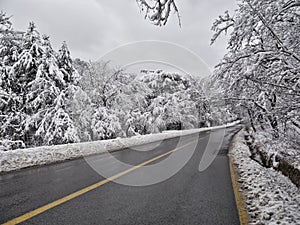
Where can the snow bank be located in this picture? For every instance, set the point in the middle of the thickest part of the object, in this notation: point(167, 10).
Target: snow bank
point(277, 153)
point(270, 197)
point(22, 158)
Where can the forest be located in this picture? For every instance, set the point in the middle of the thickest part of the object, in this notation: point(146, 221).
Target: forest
point(47, 97)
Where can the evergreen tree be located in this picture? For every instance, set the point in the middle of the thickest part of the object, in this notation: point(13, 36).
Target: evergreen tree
point(37, 86)
point(10, 100)
point(65, 63)
point(48, 98)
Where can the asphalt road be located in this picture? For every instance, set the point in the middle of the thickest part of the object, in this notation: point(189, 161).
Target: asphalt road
point(188, 197)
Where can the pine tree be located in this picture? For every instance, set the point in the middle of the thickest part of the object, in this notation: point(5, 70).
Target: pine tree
point(65, 63)
point(36, 89)
point(10, 101)
point(47, 101)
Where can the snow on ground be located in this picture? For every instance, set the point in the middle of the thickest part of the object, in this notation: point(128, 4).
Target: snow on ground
point(270, 197)
point(266, 140)
point(22, 158)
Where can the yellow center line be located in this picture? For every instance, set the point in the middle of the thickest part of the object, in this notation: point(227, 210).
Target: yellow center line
point(238, 199)
point(69, 197)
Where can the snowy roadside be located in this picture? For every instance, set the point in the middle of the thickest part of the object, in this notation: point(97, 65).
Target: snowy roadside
point(275, 153)
point(23, 158)
point(269, 196)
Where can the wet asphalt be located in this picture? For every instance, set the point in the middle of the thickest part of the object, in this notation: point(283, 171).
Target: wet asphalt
point(187, 197)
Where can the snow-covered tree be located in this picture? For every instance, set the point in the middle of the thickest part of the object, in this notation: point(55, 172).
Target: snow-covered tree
point(260, 73)
point(174, 102)
point(148, 103)
point(8, 40)
point(102, 83)
point(65, 63)
point(158, 11)
point(137, 122)
point(105, 88)
point(105, 124)
point(11, 100)
point(130, 105)
point(36, 88)
point(48, 94)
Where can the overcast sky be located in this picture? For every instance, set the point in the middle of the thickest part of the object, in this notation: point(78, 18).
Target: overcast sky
point(94, 27)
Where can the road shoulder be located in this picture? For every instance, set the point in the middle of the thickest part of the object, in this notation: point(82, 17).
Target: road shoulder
point(269, 197)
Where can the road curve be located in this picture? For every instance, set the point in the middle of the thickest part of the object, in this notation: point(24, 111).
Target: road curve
point(188, 197)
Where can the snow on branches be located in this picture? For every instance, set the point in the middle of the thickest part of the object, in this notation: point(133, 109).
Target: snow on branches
point(46, 98)
point(35, 87)
point(260, 73)
point(125, 104)
point(158, 11)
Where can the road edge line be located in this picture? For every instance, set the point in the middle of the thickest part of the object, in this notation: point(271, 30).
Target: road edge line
point(243, 216)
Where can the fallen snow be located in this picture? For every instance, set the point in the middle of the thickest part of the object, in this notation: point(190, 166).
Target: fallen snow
point(270, 197)
point(280, 147)
point(22, 158)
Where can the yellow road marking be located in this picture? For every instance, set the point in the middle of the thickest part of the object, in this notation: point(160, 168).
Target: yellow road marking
point(69, 197)
point(238, 199)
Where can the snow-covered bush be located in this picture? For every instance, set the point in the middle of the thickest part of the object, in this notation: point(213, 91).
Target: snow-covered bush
point(105, 124)
point(6, 145)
